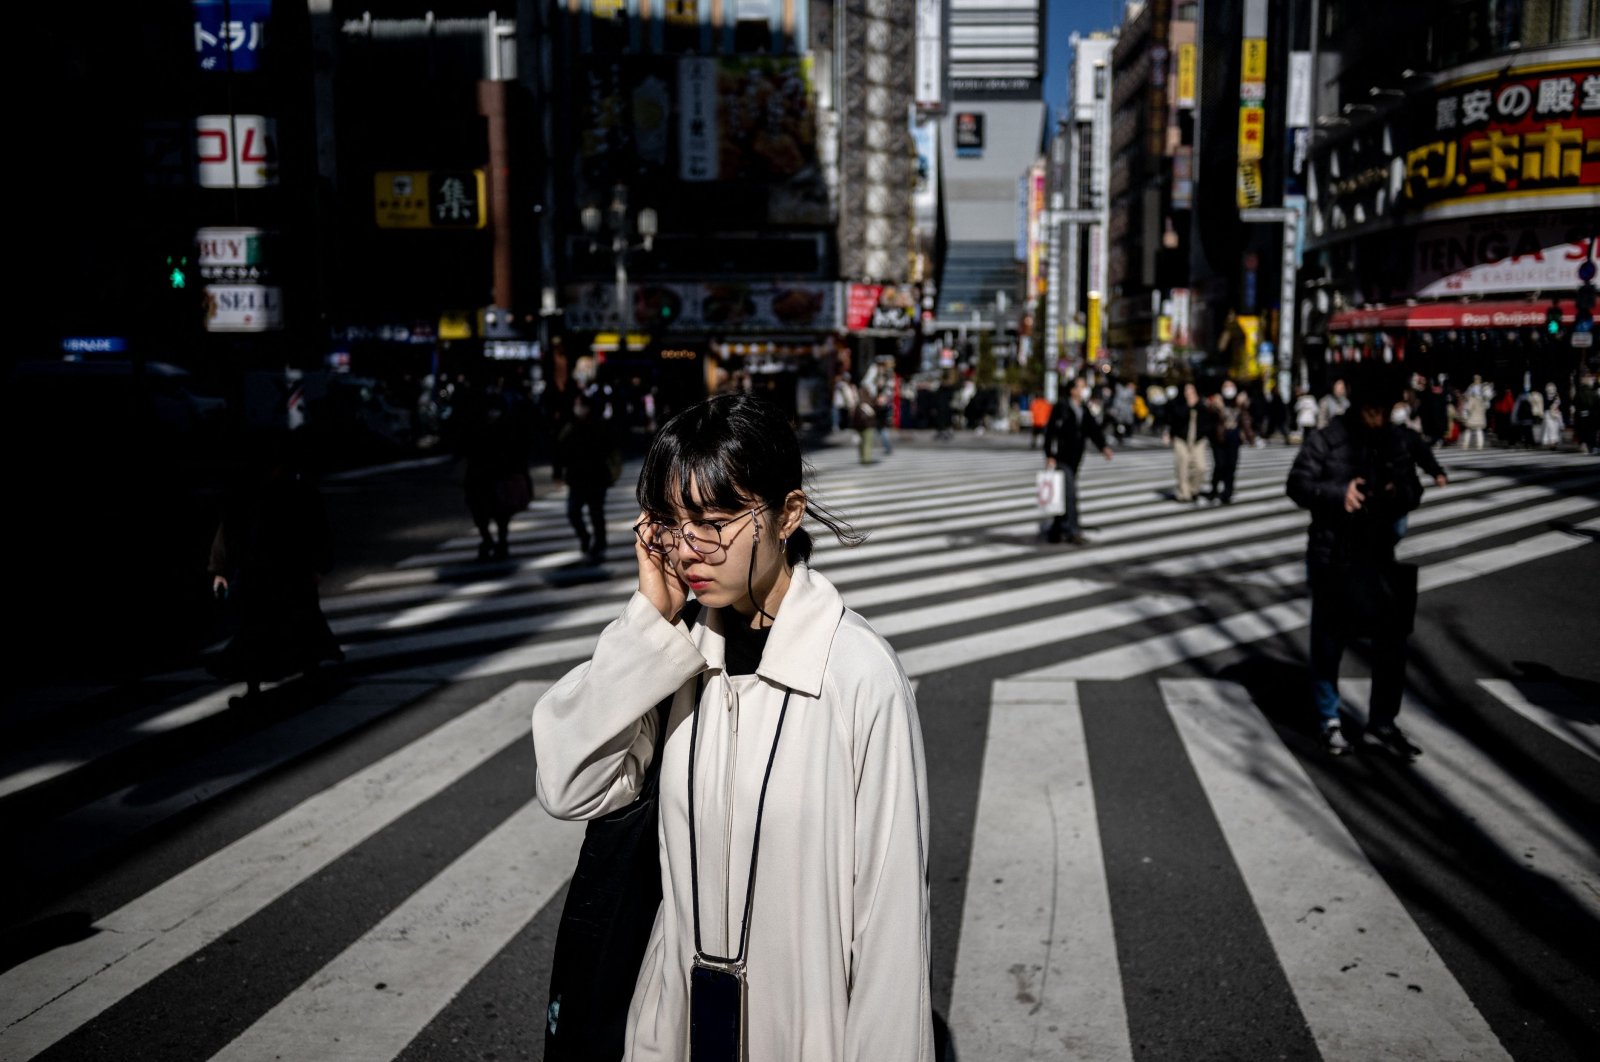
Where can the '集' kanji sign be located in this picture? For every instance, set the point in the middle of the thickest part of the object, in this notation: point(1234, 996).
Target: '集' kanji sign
point(428, 199)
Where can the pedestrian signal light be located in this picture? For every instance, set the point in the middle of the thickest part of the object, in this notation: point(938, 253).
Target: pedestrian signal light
point(1552, 320)
point(178, 272)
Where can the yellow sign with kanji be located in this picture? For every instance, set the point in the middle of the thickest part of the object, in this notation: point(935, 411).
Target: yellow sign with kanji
point(1519, 133)
point(1252, 131)
point(400, 199)
point(1253, 60)
point(1186, 75)
point(1249, 183)
point(429, 199)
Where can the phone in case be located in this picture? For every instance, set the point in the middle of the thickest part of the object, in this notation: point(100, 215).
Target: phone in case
point(716, 1013)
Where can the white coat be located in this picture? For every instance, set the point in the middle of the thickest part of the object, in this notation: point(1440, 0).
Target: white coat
point(838, 944)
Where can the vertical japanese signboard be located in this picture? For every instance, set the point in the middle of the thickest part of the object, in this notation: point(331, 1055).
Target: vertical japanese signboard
point(230, 35)
point(1252, 119)
point(236, 151)
point(698, 137)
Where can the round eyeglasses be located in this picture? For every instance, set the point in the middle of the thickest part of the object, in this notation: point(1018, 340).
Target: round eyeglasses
point(705, 537)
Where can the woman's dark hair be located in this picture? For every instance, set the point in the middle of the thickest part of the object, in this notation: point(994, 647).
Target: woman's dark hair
point(732, 448)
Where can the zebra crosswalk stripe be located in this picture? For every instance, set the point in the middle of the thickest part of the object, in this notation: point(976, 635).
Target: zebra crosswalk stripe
point(1498, 803)
point(1553, 708)
point(1036, 967)
point(1338, 930)
point(43, 1000)
point(381, 991)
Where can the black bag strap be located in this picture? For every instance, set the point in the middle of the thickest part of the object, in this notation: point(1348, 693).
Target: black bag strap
point(755, 844)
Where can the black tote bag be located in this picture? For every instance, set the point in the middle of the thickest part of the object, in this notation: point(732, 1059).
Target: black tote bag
point(605, 926)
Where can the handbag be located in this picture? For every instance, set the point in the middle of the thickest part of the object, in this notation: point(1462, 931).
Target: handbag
point(606, 921)
point(1050, 487)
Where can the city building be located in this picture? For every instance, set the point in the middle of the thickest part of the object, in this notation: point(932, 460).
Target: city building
point(1149, 187)
point(990, 138)
point(1080, 163)
point(1454, 191)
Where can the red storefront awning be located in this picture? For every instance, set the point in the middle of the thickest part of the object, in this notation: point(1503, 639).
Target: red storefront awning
point(1444, 316)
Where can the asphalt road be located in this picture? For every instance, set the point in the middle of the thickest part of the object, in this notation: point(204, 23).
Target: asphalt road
point(1138, 849)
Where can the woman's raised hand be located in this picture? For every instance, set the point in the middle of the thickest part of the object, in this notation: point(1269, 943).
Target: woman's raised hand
point(658, 576)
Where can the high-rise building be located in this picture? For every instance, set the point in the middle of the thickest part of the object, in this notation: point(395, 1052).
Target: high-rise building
point(1080, 157)
point(996, 49)
point(989, 140)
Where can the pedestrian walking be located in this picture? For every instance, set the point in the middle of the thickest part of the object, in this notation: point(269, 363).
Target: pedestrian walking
point(1189, 427)
point(1071, 428)
point(1305, 415)
point(589, 461)
point(1358, 480)
point(269, 553)
point(844, 402)
point(497, 483)
point(1234, 430)
point(1474, 414)
point(1333, 404)
point(792, 791)
point(1553, 422)
point(1435, 414)
point(1586, 422)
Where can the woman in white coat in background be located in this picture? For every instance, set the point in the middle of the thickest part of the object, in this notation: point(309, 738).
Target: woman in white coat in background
point(790, 716)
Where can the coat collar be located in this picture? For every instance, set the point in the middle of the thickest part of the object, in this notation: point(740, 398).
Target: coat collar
point(797, 649)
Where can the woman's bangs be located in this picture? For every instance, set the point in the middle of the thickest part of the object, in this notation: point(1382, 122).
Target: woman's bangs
point(677, 474)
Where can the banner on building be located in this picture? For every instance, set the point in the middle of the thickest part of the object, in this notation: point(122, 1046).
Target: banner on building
point(711, 306)
point(236, 151)
point(230, 35)
point(1506, 135)
point(930, 56)
point(232, 254)
point(969, 135)
point(1499, 253)
point(243, 308)
point(429, 199)
point(1187, 67)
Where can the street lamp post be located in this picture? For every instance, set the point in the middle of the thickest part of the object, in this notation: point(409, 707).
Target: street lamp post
point(616, 221)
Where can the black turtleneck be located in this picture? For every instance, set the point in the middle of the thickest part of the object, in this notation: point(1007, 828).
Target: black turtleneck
point(745, 644)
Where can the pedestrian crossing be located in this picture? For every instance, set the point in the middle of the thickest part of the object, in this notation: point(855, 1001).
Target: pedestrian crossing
point(986, 616)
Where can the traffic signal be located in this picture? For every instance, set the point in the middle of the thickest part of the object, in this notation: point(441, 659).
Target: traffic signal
point(178, 272)
point(1552, 319)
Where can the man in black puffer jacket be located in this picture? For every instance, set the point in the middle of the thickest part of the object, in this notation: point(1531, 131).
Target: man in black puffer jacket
point(1359, 479)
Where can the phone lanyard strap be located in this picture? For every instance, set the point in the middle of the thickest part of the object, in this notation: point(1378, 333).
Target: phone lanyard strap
point(755, 844)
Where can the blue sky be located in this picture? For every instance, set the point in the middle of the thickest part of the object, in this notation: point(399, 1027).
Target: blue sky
point(1061, 18)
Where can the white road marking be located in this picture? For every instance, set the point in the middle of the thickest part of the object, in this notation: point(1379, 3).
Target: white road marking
point(1338, 930)
point(1037, 975)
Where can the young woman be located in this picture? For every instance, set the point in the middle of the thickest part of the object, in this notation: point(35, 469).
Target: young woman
point(790, 716)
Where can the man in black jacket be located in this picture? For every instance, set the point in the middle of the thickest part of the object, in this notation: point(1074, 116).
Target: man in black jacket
point(1070, 427)
point(1358, 478)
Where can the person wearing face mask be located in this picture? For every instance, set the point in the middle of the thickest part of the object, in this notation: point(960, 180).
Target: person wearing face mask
point(793, 803)
point(1233, 430)
point(1358, 479)
point(1072, 426)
